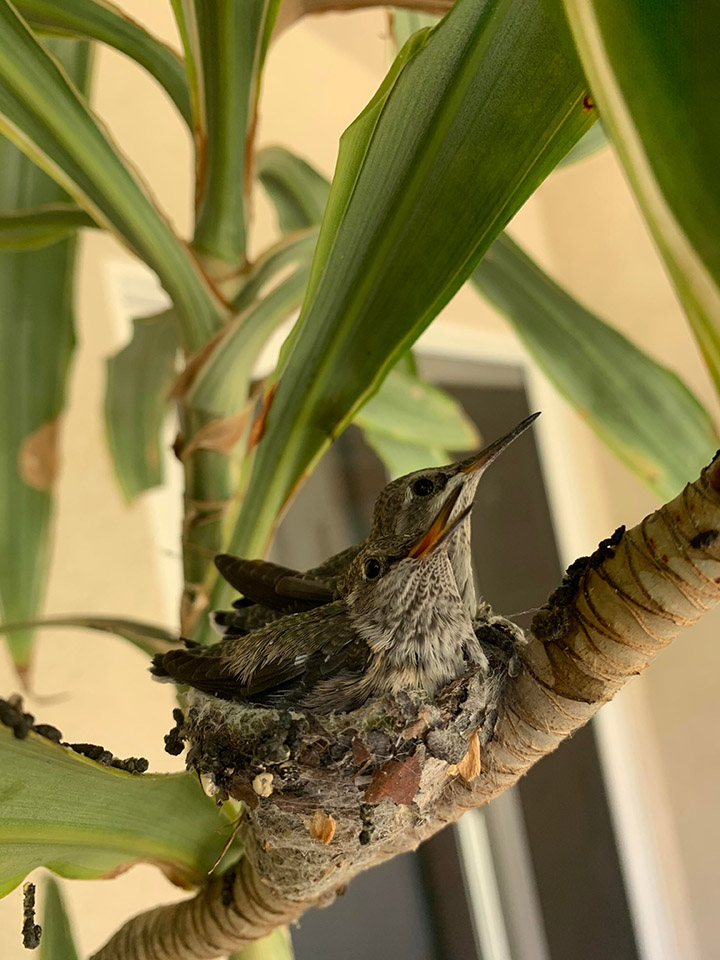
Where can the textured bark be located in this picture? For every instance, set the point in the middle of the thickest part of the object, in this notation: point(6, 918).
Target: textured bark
point(330, 799)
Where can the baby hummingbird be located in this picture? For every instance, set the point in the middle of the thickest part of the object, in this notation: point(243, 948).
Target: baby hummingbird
point(405, 506)
point(399, 624)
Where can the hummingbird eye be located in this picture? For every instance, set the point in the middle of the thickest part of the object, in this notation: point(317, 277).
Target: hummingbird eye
point(372, 569)
point(423, 487)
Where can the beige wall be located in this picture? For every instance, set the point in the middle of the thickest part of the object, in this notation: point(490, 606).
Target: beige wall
point(584, 226)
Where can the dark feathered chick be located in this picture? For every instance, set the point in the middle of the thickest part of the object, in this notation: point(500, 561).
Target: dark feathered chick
point(400, 623)
point(404, 507)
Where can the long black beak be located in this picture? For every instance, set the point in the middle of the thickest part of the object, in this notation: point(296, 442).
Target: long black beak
point(478, 461)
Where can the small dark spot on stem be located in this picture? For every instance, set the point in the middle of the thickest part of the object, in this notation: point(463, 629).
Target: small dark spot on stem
point(226, 890)
point(704, 539)
point(588, 102)
point(48, 731)
point(174, 740)
point(11, 715)
point(31, 931)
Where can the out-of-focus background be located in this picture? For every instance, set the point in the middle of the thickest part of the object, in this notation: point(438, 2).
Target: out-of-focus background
point(630, 814)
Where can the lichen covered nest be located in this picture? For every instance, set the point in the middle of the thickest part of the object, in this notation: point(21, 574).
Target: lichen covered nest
point(324, 794)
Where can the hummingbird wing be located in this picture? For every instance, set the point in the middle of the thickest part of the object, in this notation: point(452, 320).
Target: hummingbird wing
point(289, 596)
point(276, 664)
point(272, 585)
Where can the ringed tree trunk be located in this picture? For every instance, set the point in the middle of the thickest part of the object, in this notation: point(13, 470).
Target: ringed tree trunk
point(329, 797)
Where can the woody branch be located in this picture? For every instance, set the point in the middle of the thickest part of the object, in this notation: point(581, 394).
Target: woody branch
point(612, 614)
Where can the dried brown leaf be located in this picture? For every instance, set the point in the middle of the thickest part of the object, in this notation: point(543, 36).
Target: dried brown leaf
point(397, 779)
point(221, 434)
point(257, 430)
point(470, 765)
point(321, 826)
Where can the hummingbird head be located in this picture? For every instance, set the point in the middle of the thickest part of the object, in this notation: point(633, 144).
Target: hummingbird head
point(387, 563)
point(403, 599)
point(408, 505)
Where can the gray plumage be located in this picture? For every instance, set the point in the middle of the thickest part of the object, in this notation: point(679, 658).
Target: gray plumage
point(400, 623)
point(404, 507)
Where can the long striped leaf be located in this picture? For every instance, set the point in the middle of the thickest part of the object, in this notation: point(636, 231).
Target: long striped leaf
point(294, 249)
point(36, 345)
point(427, 176)
point(653, 69)
point(57, 941)
point(40, 110)
point(298, 192)
point(404, 23)
point(100, 820)
point(184, 11)
point(595, 139)
point(222, 384)
point(411, 424)
point(103, 21)
point(147, 637)
point(137, 395)
point(46, 224)
point(232, 41)
point(408, 423)
point(642, 410)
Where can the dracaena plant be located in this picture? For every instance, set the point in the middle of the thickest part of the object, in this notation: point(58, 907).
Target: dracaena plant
point(423, 187)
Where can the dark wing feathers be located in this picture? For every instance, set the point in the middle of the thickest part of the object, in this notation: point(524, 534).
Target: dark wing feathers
point(296, 586)
point(277, 663)
point(199, 668)
point(272, 585)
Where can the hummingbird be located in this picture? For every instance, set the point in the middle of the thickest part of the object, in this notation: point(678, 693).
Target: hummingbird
point(400, 623)
point(404, 507)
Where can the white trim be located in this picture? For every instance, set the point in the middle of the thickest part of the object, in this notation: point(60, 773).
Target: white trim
point(481, 884)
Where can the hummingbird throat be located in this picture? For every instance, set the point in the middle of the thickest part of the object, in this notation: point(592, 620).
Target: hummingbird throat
point(417, 626)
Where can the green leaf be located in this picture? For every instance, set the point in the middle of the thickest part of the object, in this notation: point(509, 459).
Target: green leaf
point(214, 393)
point(411, 424)
point(103, 21)
point(595, 139)
point(298, 192)
point(294, 249)
point(232, 40)
point(222, 384)
point(30, 229)
point(404, 23)
point(57, 941)
point(41, 111)
point(653, 70)
point(427, 176)
point(642, 410)
point(36, 345)
point(146, 636)
point(408, 423)
point(139, 381)
point(276, 946)
point(408, 409)
point(184, 11)
point(400, 456)
point(100, 820)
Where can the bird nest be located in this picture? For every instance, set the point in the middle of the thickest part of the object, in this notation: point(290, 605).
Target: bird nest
point(326, 796)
